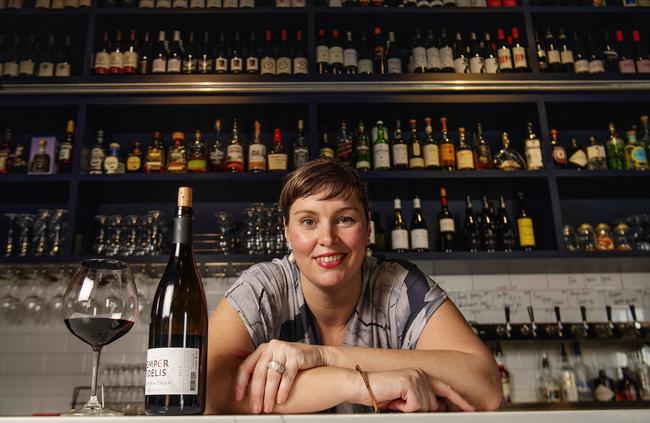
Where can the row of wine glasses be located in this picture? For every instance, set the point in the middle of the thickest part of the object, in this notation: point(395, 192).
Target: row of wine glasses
point(131, 235)
point(35, 234)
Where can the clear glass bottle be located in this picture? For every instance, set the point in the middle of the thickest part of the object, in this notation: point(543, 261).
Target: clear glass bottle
point(97, 155)
point(217, 156)
point(549, 390)
point(596, 156)
point(567, 379)
point(582, 375)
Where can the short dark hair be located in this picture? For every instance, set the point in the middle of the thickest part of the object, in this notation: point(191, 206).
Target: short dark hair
point(332, 178)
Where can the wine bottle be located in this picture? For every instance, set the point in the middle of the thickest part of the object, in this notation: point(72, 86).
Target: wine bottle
point(464, 153)
point(447, 149)
point(471, 234)
point(566, 53)
point(380, 149)
point(178, 332)
point(283, 61)
point(416, 160)
point(431, 149)
point(350, 55)
point(336, 54)
point(446, 225)
point(488, 227)
point(525, 226)
point(419, 232)
point(175, 58)
point(362, 149)
point(399, 153)
point(507, 240)
point(235, 151)
point(322, 53)
point(399, 235)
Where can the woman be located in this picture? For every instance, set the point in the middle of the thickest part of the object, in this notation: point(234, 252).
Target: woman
point(289, 335)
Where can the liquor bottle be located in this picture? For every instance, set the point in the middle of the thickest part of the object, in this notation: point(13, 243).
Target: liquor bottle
point(534, 159)
point(399, 236)
point(283, 60)
point(577, 156)
point(46, 59)
point(10, 66)
point(350, 55)
point(64, 159)
point(197, 162)
point(418, 54)
point(300, 61)
point(566, 53)
point(504, 53)
point(504, 374)
point(155, 157)
point(393, 57)
point(645, 122)
point(113, 163)
point(567, 379)
point(130, 56)
point(236, 59)
point(277, 159)
point(635, 153)
point(641, 54)
point(627, 388)
point(433, 54)
point(325, 151)
point(202, 56)
point(610, 55)
point(461, 59)
point(525, 226)
point(97, 155)
point(447, 148)
point(335, 54)
point(116, 56)
point(488, 227)
point(399, 149)
point(506, 232)
point(252, 55)
point(217, 156)
point(379, 52)
point(549, 391)
point(257, 151)
point(491, 59)
point(446, 225)
point(344, 152)
point(175, 55)
point(430, 150)
point(482, 152)
point(416, 160)
point(615, 150)
point(476, 52)
point(235, 151)
point(419, 231)
point(553, 53)
point(134, 159)
point(581, 65)
point(365, 57)
point(582, 377)
point(464, 153)
point(362, 149)
point(380, 149)
point(507, 158)
point(558, 153)
point(222, 57)
point(542, 57)
point(145, 56)
point(102, 56)
point(41, 160)
point(596, 158)
point(177, 155)
point(519, 58)
point(190, 61)
point(300, 148)
point(267, 62)
point(178, 331)
point(471, 232)
point(322, 53)
point(625, 58)
point(643, 375)
point(159, 63)
point(604, 388)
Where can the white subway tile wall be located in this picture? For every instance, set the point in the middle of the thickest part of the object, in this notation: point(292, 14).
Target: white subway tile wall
point(40, 366)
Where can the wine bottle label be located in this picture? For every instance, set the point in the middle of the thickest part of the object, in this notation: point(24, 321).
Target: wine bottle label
point(566, 57)
point(381, 156)
point(146, 4)
point(322, 54)
point(643, 66)
point(257, 156)
point(268, 66)
point(394, 66)
point(446, 57)
point(336, 55)
point(533, 154)
point(236, 64)
point(102, 61)
point(416, 163)
point(116, 60)
point(252, 65)
point(300, 156)
point(180, 3)
point(283, 66)
point(461, 65)
point(45, 69)
point(235, 153)
point(400, 154)
point(65, 152)
point(110, 164)
point(416, 151)
point(159, 66)
point(172, 371)
point(554, 57)
point(595, 152)
point(419, 55)
point(213, 3)
point(626, 66)
point(365, 66)
point(465, 159)
point(229, 3)
point(603, 393)
point(174, 65)
point(300, 66)
point(197, 3)
point(519, 57)
point(96, 159)
point(419, 239)
point(130, 60)
point(578, 158)
point(597, 66)
point(491, 65)
point(335, 3)
point(446, 224)
point(298, 3)
point(133, 163)
point(431, 155)
point(350, 57)
point(447, 153)
point(526, 232)
point(433, 58)
point(505, 58)
point(399, 239)
point(10, 69)
point(197, 165)
point(581, 66)
point(476, 64)
point(559, 155)
point(278, 161)
point(221, 64)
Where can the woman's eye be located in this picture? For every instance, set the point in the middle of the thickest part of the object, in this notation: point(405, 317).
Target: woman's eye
point(307, 222)
point(346, 220)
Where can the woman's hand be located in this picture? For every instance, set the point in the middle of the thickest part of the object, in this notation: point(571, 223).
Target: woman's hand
point(269, 387)
point(411, 390)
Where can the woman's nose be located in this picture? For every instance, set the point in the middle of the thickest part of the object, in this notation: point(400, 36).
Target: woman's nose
point(326, 234)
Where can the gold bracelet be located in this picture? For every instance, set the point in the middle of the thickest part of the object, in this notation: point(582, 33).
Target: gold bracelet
point(364, 376)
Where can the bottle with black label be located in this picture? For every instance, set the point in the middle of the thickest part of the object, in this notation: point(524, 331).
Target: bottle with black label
point(419, 231)
point(300, 148)
point(178, 332)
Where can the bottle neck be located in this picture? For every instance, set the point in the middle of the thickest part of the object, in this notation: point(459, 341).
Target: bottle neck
point(182, 234)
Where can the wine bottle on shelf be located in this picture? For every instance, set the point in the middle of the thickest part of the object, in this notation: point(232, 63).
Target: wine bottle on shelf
point(596, 156)
point(45, 66)
point(145, 55)
point(519, 57)
point(300, 148)
point(581, 65)
point(446, 225)
point(350, 55)
point(488, 227)
point(416, 160)
point(252, 55)
point(542, 56)
point(267, 62)
point(175, 56)
point(335, 54)
point(609, 53)
point(625, 58)
point(418, 54)
point(300, 61)
point(130, 56)
point(380, 149)
point(97, 155)
point(377, 233)
point(399, 148)
point(525, 225)
point(277, 159)
point(344, 151)
point(221, 59)
point(446, 53)
point(567, 57)
point(534, 160)
point(476, 52)
point(393, 57)
point(322, 53)
point(471, 232)
point(433, 53)
point(461, 59)
point(204, 57)
point(558, 153)
point(63, 59)
point(504, 53)
point(641, 53)
point(178, 333)
point(553, 53)
point(102, 56)
point(235, 151)
point(379, 52)
point(419, 231)
point(64, 158)
point(431, 149)
point(464, 153)
point(236, 59)
point(506, 232)
point(399, 235)
point(366, 64)
point(447, 148)
point(491, 59)
point(596, 62)
point(362, 148)
point(283, 61)
point(116, 57)
point(159, 63)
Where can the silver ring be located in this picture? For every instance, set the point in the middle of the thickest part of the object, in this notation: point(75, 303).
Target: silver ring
point(276, 366)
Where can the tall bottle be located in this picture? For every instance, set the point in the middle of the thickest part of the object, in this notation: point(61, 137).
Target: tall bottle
point(446, 225)
point(525, 226)
point(447, 149)
point(64, 158)
point(615, 150)
point(235, 151)
point(362, 148)
point(567, 379)
point(416, 160)
point(277, 159)
point(464, 153)
point(488, 227)
point(399, 235)
point(399, 148)
point(596, 157)
point(97, 155)
point(419, 232)
point(197, 161)
point(325, 150)
point(549, 391)
point(482, 151)
point(581, 371)
point(344, 152)
point(300, 148)
point(380, 149)
point(431, 149)
point(217, 156)
point(534, 159)
point(178, 332)
point(507, 237)
point(256, 151)
point(471, 232)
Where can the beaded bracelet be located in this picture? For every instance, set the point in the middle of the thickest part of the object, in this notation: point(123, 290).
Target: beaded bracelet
point(364, 376)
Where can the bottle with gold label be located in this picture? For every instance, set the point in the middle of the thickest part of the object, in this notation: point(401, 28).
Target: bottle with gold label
point(635, 154)
point(113, 164)
point(525, 226)
point(41, 160)
point(482, 152)
point(134, 160)
point(217, 154)
point(380, 149)
point(416, 159)
point(534, 159)
point(399, 148)
point(155, 158)
point(235, 151)
point(198, 161)
point(447, 149)
point(464, 154)
point(257, 150)
point(325, 150)
point(431, 149)
point(177, 156)
point(277, 156)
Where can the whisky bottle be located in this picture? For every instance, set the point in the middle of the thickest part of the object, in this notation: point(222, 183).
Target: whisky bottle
point(416, 160)
point(234, 151)
point(155, 158)
point(300, 148)
point(177, 156)
point(430, 149)
point(257, 150)
point(344, 152)
point(399, 235)
point(447, 149)
point(277, 157)
point(64, 159)
point(446, 225)
point(134, 160)
point(525, 226)
point(557, 151)
point(325, 151)
point(362, 148)
point(506, 232)
point(419, 231)
point(471, 232)
point(482, 152)
point(41, 160)
point(596, 159)
point(217, 155)
point(97, 155)
point(113, 163)
point(197, 159)
point(508, 158)
point(190, 60)
point(380, 149)
point(534, 159)
point(399, 153)
point(464, 154)
point(488, 228)
point(577, 156)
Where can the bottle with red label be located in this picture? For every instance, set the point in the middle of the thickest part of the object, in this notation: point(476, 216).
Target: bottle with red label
point(518, 53)
point(235, 151)
point(116, 58)
point(494, 3)
point(102, 56)
point(131, 57)
point(504, 53)
point(625, 60)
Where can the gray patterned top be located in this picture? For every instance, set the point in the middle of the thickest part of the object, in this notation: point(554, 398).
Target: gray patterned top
point(396, 302)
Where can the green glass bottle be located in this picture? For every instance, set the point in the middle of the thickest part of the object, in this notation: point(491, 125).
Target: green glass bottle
point(380, 149)
point(362, 148)
point(615, 150)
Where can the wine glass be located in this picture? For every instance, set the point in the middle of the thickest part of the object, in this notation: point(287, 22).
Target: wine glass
point(99, 306)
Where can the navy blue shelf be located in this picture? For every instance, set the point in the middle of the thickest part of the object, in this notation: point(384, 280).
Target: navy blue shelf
point(44, 12)
point(180, 177)
point(36, 178)
point(599, 174)
point(414, 10)
point(203, 11)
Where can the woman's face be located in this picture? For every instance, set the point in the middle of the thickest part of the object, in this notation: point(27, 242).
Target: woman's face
point(328, 239)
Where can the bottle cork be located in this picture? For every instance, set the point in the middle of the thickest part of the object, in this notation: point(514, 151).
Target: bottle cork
point(184, 197)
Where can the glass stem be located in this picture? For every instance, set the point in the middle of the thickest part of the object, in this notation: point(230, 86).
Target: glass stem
point(93, 387)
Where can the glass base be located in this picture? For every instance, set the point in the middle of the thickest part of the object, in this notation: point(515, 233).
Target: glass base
point(92, 408)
